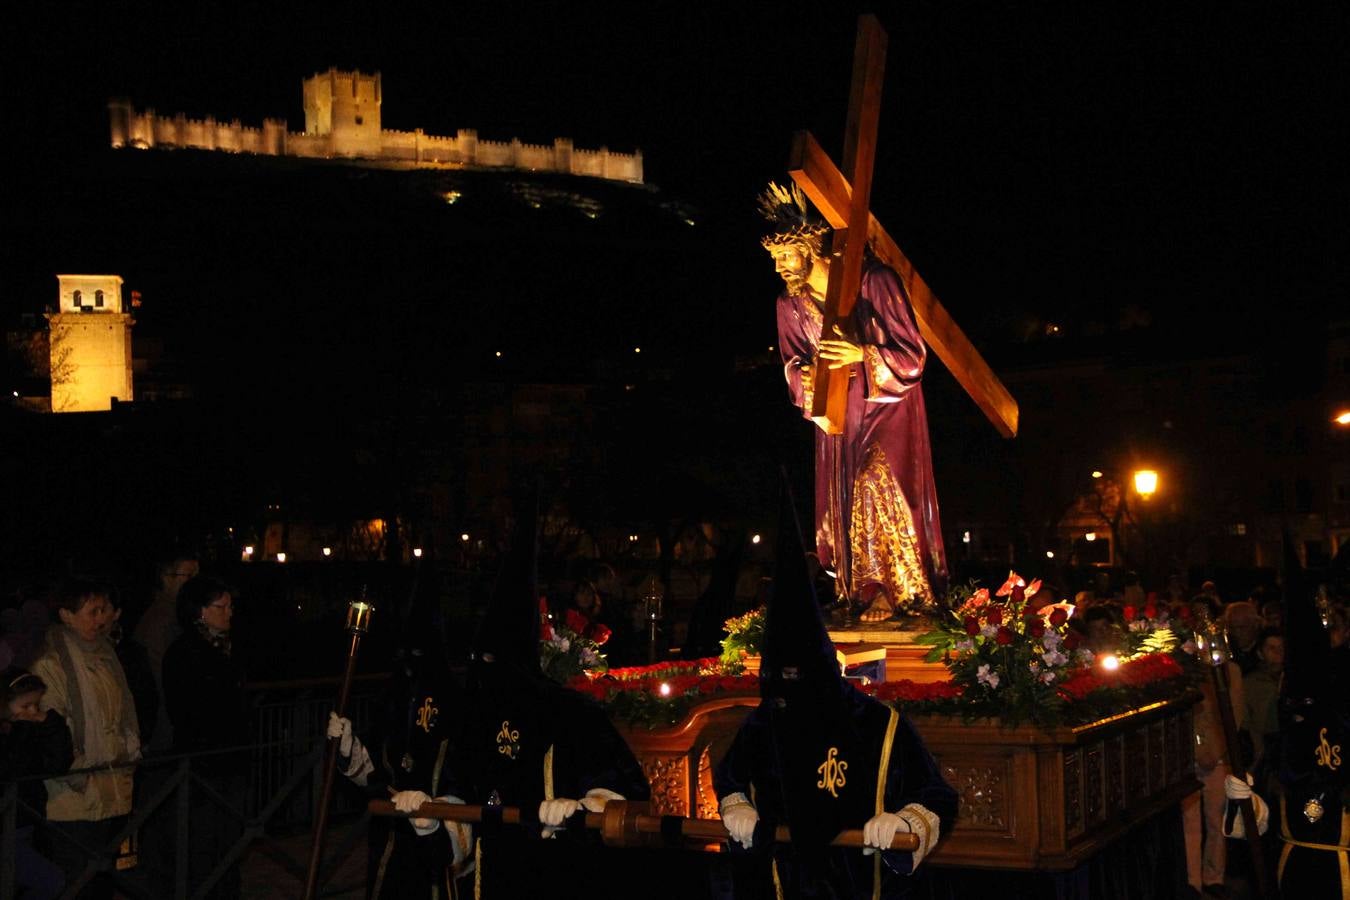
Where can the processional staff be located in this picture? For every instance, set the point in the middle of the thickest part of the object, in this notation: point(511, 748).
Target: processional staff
point(621, 824)
point(1211, 640)
point(358, 623)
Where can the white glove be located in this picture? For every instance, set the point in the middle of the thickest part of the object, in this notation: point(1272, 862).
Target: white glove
point(410, 801)
point(922, 821)
point(553, 812)
point(740, 818)
point(879, 831)
point(350, 748)
point(596, 798)
point(340, 727)
point(1235, 789)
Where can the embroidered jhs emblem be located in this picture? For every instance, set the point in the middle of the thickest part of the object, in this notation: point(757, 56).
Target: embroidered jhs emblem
point(508, 741)
point(1328, 755)
point(831, 772)
point(426, 715)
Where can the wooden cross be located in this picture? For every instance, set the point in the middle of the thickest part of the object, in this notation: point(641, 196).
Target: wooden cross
point(842, 198)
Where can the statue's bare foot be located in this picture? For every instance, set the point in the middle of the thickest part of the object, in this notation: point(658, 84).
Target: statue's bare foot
point(879, 611)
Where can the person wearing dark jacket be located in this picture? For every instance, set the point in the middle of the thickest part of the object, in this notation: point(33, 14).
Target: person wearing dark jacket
point(204, 695)
point(32, 743)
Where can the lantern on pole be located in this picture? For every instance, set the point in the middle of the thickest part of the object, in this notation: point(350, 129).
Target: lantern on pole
point(359, 612)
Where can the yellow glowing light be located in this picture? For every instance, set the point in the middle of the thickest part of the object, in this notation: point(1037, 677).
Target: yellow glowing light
point(327, 551)
point(1096, 473)
point(1146, 482)
point(499, 354)
point(1110, 662)
point(665, 689)
point(637, 349)
point(1049, 554)
point(281, 557)
point(965, 537)
point(632, 538)
point(1090, 536)
point(464, 537)
point(248, 551)
point(417, 552)
point(755, 539)
point(1342, 418)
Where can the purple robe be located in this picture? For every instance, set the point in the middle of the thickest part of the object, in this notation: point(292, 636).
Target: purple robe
point(885, 501)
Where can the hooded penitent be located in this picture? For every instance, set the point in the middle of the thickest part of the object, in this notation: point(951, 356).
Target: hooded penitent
point(828, 737)
point(421, 699)
point(507, 733)
point(1314, 704)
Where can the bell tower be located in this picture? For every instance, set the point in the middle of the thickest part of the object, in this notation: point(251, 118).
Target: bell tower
point(89, 339)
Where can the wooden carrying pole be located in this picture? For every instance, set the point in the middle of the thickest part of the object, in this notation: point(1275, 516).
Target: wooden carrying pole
point(624, 824)
point(1219, 673)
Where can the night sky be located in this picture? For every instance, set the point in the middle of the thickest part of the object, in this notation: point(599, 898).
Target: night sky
point(1035, 163)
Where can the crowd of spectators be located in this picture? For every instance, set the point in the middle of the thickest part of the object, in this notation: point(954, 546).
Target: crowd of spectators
point(1253, 625)
point(88, 704)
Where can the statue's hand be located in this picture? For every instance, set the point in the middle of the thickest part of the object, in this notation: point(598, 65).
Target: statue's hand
point(839, 351)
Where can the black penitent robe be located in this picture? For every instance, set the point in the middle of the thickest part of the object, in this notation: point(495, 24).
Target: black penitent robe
point(524, 740)
point(779, 760)
point(411, 753)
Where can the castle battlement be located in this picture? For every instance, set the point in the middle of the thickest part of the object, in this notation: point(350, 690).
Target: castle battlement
point(343, 121)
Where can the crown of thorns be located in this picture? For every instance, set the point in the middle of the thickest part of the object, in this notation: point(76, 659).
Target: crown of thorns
point(794, 220)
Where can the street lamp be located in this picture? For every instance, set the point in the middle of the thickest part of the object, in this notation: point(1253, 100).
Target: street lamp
point(1145, 482)
point(1342, 417)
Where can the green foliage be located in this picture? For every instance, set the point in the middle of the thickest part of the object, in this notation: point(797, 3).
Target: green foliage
point(745, 637)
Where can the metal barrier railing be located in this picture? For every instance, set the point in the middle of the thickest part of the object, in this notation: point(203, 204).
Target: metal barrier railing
point(289, 722)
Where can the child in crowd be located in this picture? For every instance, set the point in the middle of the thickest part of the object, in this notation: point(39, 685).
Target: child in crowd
point(32, 742)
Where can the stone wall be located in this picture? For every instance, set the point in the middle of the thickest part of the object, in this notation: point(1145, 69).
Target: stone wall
point(342, 120)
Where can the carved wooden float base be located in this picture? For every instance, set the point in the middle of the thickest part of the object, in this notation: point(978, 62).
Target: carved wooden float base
point(1031, 798)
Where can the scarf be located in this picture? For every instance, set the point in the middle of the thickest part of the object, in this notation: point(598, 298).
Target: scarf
point(80, 661)
point(220, 640)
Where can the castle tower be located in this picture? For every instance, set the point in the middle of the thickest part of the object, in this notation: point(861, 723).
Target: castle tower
point(345, 107)
point(90, 343)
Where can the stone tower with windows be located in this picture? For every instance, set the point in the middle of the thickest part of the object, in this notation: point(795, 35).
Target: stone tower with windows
point(345, 108)
point(89, 338)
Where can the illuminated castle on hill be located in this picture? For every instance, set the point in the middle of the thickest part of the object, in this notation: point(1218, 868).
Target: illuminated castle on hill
point(342, 121)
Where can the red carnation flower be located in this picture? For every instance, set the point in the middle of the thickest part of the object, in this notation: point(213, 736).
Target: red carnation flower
point(1019, 593)
point(1130, 613)
point(972, 626)
point(575, 621)
point(1004, 637)
point(1059, 617)
point(599, 633)
point(1037, 628)
point(1150, 611)
point(995, 615)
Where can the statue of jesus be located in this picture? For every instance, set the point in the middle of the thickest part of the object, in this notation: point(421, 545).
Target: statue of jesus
point(877, 528)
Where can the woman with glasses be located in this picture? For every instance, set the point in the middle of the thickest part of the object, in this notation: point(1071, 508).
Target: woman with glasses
point(204, 695)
